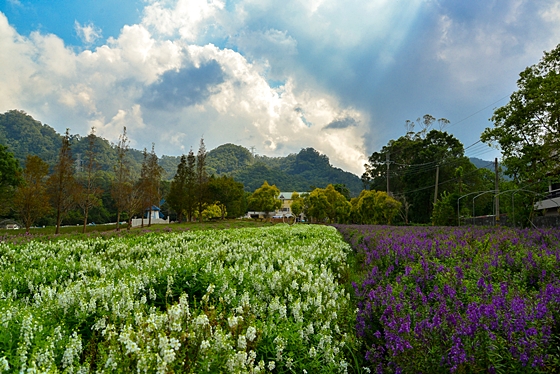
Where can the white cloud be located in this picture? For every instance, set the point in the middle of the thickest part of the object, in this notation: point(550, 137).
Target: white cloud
point(183, 17)
point(106, 88)
point(87, 33)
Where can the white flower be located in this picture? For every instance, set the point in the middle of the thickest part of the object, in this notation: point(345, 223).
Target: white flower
point(251, 333)
point(241, 342)
point(271, 365)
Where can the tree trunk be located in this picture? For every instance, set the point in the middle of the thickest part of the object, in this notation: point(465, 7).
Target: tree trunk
point(85, 220)
point(58, 221)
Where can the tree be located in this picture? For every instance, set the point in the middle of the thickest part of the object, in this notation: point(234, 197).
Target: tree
point(61, 184)
point(229, 193)
point(338, 209)
point(9, 177)
point(190, 202)
point(297, 205)
point(412, 163)
point(31, 199)
point(375, 207)
point(201, 179)
point(317, 205)
point(177, 196)
point(90, 196)
point(150, 178)
point(265, 199)
point(527, 128)
point(119, 189)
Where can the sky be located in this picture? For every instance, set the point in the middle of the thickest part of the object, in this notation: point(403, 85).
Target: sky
point(342, 77)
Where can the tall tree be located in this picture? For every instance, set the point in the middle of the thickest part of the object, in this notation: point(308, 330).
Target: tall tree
point(202, 197)
point(119, 188)
point(61, 184)
point(190, 203)
point(31, 199)
point(527, 128)
point(177, 196)
point(9, 177)
point(90, 196)
point(150, 178)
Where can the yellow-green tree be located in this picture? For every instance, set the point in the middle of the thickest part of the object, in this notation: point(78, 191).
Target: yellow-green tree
point(297, 205)
point(265, 199)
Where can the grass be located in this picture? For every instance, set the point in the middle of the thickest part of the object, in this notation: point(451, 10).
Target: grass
point(75, 232)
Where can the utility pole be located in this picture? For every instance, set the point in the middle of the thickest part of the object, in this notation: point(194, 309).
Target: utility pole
point(437, 182)
point(497, 188)
point(387, 163)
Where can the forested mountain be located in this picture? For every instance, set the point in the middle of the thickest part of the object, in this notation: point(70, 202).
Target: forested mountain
point(24, 135)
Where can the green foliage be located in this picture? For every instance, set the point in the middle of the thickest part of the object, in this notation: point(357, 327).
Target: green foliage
point(445, 211)
point(527, 128)
point(229, 193)
point(212, 211)
point(375, 207)
point(265, 199)
point(329, 204)
point(297, 204)
point(414, 159)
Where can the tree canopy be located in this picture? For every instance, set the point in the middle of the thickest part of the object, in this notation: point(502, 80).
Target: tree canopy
point(527, 128)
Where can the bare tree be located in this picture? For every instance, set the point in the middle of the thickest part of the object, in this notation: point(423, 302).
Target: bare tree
point(61, 184)
point(90, 193)
point(119, 189)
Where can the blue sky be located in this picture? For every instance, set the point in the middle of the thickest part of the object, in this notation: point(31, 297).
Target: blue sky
point(339, 76)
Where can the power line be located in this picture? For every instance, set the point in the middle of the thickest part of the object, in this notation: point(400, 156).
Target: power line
point(486, 107)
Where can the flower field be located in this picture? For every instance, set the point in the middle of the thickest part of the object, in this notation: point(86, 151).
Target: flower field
point(463, 300)
point(247, 300)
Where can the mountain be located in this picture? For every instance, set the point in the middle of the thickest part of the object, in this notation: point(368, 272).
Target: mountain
point(296, 172)
point(479, 163)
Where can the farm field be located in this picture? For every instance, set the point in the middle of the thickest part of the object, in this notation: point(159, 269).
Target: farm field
point(458, 299)
point(281, 299)
point(245, 300)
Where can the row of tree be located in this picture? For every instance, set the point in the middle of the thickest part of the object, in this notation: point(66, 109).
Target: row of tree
point(39, 191)
point(331, 204)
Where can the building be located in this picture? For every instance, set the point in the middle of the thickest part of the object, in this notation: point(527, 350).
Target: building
point(551, 203)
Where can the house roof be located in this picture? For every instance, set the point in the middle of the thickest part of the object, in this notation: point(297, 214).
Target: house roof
point(288, 195)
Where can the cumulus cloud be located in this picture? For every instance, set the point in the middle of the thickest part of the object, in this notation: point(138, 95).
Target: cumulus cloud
point(87, 33)
point(280, 76)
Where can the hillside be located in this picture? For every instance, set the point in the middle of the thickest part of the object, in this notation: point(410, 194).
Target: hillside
point(296, 172)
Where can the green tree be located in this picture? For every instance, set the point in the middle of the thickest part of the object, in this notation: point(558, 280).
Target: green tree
point(61, 184)
point(190, 202)
point(31, 199)
point(444, 213)
point(296, 205)
point(9, 178)
point(338, 209)
point(177, 196)
point(265, 199)
point(527, 128)
point(229, 193)
point(415, 160)
point(317, 205)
